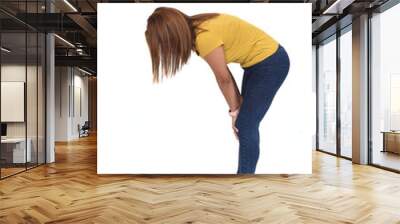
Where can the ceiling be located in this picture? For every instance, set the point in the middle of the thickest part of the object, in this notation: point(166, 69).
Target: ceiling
point(76, 22)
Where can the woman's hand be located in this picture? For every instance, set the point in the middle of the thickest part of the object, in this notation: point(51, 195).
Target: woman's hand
point(235, 130)
point(234, 114)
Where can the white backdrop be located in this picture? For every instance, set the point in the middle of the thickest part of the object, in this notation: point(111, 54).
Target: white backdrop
point(182, 125)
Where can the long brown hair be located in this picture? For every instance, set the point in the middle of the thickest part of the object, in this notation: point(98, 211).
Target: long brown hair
point(170, 35)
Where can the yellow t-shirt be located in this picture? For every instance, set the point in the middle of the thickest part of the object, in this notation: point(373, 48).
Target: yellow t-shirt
point(243, 43)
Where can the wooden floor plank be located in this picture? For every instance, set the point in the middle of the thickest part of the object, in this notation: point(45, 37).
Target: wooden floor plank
point(70, 191)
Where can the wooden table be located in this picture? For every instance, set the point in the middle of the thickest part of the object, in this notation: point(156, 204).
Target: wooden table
point(13, 150)
point(391, 141)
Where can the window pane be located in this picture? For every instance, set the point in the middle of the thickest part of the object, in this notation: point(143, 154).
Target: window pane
point(327, 96)
point(346, 94)
point(386, 89)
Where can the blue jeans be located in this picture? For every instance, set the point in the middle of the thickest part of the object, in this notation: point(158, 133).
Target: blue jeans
point(259, 86)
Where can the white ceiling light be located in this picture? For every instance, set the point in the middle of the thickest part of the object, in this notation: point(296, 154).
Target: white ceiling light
point(65, 41)
point(337, 7)
point(84, 71)
point(70, 5)
point(5, 50)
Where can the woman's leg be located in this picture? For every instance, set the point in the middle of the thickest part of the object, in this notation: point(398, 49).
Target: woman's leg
point(260, 84)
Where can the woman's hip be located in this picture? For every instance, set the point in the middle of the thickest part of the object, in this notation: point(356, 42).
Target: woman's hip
point(276, 64)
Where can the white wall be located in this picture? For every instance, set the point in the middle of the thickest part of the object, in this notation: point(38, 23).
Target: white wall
point(182, 125)
point(82, 82)
point(69, 82)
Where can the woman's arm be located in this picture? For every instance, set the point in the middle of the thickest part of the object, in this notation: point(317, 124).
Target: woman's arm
point(225, 80)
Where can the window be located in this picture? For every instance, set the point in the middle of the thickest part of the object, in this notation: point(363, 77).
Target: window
point(385, 89)
point(327, 96)
point(346, 92)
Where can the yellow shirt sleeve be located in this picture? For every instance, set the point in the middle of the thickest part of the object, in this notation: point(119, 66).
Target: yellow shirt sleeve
point(206, 42)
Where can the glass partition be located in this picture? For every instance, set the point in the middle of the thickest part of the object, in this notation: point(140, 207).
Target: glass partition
point(32, 95)
point(35, 62)
point(22, 101)
point(41, 109)
point(14, 153)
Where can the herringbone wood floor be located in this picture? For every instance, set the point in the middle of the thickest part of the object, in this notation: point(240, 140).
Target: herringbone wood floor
point(70, 191)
